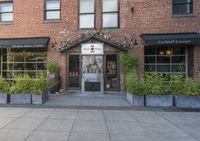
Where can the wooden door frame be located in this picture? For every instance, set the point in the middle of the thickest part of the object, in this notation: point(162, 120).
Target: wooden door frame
point(118, 89)
point(67, 71)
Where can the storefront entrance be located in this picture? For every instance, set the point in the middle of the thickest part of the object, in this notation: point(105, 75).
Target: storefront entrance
point(93, 70)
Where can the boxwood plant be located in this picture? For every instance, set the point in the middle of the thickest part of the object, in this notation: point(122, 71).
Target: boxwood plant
point(23, 85)
point(39, 85)
point(155, 84)
point(135, 84)
point(182, 87)
point(4, 86)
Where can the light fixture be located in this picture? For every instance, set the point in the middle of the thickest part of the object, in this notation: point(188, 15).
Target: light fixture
point(161, 52)
point(169, 52)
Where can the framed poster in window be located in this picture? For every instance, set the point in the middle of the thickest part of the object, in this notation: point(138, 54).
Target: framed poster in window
point(111, 67)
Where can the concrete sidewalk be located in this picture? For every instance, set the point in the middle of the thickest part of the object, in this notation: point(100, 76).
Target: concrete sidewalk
point(75, 99)
point(27, 124)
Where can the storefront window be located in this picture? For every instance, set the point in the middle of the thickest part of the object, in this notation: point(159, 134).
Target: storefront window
point(23, 61)
point(166, 60)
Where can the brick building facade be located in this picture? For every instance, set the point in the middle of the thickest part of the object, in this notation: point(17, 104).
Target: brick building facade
point(154, 26)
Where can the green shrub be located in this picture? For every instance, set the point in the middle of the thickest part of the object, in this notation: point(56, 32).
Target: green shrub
point(23, 85)
point(52, 67)
point(178, 84)
point(182, 87)
point(129, 62)
point(4, 86)
point(192, 87)
point(155, 84)
point(134, 84)
point(40, 85)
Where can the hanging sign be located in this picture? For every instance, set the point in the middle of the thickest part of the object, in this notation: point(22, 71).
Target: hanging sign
point(92, 49)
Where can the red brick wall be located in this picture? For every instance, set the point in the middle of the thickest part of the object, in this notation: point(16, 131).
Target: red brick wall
point(149, 16)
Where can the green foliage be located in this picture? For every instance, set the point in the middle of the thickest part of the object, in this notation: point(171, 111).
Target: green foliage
point(23, 85)
point(180, 86)
point(52, 67)
point(40, 85)
point(134, 84)
point(155, 84)
point(177, 85)
point(4, 86)
point(192, 87)
point(129, 62)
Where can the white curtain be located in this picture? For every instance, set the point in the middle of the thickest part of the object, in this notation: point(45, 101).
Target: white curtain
point(87, 21)
point(6, 7)
point(110, 20)
point(7, 17)
point(87, 6)
point(110, 5)
point(53, 4)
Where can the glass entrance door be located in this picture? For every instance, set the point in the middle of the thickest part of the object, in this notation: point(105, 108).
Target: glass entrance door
point(74, 72)
point(111, 75)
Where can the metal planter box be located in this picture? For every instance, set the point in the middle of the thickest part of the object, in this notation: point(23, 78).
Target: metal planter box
point(4, 98)
point(39, 99)
point(20, 98)
point(187, 102)
point(135, 100)
point(159, 100)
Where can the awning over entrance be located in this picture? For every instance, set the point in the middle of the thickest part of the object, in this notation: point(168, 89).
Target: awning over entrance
point(171, 39)
point(38, 42)
point(96, 38)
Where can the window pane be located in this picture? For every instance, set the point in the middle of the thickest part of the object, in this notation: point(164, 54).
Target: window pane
point(149, 68)
point(87, 21)
point(150, 59)
point(182, 9)
point(110, 5)
point(163, 59)
point(178, 59)
point(6, 7)
point(110, 20)
point(7, 17)
point(178, 68)
point(163, 68)
point(52, 4)
point(150, 50)
point(87, 6)
point(179, 51)
point(53, 15)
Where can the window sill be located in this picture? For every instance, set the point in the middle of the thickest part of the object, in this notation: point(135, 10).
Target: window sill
point(6, 23)
point(111, 28)
point(184, 16)
point(83, 29)
point(52, 21)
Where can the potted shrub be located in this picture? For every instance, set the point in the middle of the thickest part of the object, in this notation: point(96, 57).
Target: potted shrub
point(21, 90)
point(186, 93)
point(157, 91)
point(4, 91)
point(39, 90)
point(53, 77)
point(135, 89)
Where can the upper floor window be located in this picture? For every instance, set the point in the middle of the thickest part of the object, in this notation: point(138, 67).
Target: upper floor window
point(52, 10)
point(110, 13)
point(6, 12)
point(86, 14)
point(181, 7)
